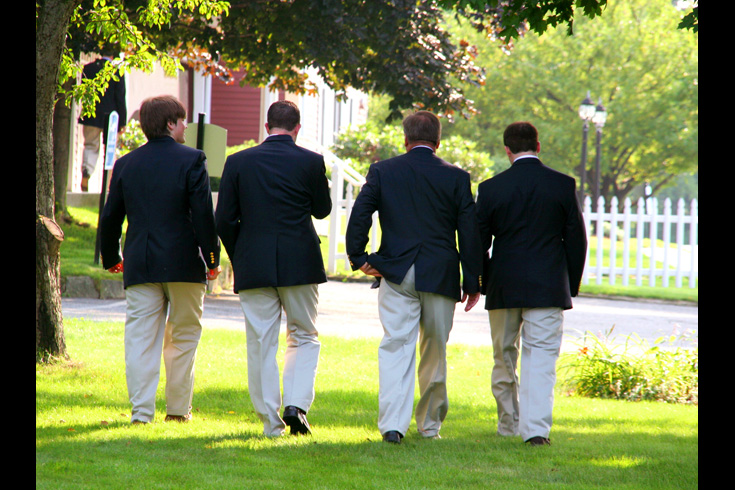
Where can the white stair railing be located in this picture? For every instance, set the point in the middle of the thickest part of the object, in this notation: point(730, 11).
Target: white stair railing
point(343, 183)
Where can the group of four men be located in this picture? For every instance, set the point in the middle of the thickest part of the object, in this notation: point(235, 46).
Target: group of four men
point(431, 226)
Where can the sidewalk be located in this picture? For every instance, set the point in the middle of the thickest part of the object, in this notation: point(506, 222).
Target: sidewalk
point(350, 309)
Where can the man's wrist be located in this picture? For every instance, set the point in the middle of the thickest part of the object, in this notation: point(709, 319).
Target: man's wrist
point(357, 261)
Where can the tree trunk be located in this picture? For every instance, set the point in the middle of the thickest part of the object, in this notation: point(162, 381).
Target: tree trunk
point(52, 20)
point(62, 125)
point(50, 343)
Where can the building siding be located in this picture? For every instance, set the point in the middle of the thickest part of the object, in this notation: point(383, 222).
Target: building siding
point(237, 109)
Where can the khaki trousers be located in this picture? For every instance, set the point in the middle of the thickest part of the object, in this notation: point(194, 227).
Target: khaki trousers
point(404, 313)
point(525, 407)
point(262, 309)
point(91, 153)
point(162, 316)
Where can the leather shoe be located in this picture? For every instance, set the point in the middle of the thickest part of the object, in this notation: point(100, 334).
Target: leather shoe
point(296, 419)
point(85, 180)
point(539, 441)
point(177, 418)
point(393, 436)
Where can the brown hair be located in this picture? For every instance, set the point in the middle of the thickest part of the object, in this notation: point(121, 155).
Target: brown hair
point(422, 126)
point(521, 136)
point(157, 112)
point(283, 114)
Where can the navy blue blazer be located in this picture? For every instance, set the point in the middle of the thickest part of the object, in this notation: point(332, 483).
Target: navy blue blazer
point(267, 196)
point(530, 216)
point(425, 207)
point(163, 189)
point(112, 100)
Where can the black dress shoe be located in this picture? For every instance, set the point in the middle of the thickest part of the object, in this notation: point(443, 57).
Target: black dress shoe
point(539, 441)
point(296, 419)
point(393, 436)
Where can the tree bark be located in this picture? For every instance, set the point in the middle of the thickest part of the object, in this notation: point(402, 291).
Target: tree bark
point(52, 21)
point(62, 125)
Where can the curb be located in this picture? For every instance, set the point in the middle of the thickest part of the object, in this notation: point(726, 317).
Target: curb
point(86, 287)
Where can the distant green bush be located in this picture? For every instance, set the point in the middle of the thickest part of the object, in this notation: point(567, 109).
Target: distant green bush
point(130, 138)
point(640, 372)
point(244, 146)
point(369, 143)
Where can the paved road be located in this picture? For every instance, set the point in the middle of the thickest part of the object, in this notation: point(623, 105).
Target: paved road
point(349, 309)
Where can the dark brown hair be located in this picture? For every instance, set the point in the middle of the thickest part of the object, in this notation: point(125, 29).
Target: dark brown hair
point(521, 136)
point(283, 114)
point(422, 126)
point(157, 112)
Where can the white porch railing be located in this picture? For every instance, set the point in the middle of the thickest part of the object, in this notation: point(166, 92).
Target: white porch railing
point(673, 256)
point(343, 183)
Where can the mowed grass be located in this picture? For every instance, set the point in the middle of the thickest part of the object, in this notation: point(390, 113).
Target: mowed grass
point(84, 439)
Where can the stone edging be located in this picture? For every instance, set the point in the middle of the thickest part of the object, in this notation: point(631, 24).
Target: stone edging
point(86, 287)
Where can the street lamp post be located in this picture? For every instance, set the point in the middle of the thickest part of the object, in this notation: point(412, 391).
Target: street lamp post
point(599, 120)
point(586, 112)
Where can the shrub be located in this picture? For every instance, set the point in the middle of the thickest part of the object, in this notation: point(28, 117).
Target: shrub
point(130, 138)
point(640, 372)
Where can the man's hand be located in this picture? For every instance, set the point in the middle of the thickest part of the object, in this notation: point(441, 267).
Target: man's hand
point(370, 270)
point(116, 269)
point(472, 300)
point(213, 273)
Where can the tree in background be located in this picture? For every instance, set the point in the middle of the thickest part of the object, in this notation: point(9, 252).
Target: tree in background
point(395, 47)
point(54, 67)
point(635, 59)
point(375, 141)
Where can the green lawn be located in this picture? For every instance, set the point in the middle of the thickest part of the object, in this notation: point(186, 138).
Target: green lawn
point(84, 439)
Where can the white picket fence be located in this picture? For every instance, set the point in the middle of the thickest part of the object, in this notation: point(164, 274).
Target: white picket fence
point(669, 255)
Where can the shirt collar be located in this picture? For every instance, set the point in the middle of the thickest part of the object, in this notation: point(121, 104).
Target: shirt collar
point(423, 146)
point(525, 156)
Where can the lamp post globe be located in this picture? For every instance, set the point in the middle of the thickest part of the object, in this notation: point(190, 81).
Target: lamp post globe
point(599, 118)
point(586, 112)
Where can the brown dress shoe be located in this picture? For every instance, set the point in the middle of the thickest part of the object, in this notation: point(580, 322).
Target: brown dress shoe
point(539, 441)
point(178, 418)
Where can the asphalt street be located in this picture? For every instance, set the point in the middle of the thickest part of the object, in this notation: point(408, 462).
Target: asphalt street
point(349, 309)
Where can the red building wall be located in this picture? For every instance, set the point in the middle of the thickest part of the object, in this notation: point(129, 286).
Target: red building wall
point(237, 109)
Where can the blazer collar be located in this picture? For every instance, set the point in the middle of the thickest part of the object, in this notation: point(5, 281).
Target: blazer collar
point(425, 150)
point(527, 159)
point(279, 137)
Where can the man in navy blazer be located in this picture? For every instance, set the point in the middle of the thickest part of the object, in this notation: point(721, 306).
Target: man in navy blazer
point(171, 249)
point(267, 197)
point(424, 205)
point(113, 99)
point(530, 217)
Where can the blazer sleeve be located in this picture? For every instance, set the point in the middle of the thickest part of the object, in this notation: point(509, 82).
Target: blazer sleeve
point(361, 219)
point(202, 212)
point(470, 245)
point(120, 102)
point(111, 222)
point(575, 243)
point(227, 215)
point(322, 203)
point(486, 235)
